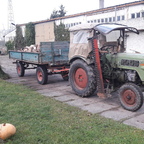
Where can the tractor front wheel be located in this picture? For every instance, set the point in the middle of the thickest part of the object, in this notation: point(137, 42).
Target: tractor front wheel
point(82, 78)
point(131, 97)
point(41, 74)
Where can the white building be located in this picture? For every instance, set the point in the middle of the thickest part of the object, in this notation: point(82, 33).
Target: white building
point(131, 14)
point(10, 36)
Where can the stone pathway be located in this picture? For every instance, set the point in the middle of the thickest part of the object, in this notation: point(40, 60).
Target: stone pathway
point(60, 90)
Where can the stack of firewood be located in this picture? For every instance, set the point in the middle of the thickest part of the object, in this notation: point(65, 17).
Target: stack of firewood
point(31, 48)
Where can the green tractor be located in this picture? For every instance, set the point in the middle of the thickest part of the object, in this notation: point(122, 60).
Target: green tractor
point(99, 63)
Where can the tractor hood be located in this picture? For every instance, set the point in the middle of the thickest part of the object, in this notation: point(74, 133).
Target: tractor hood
point(126, 60)
point(131, 56)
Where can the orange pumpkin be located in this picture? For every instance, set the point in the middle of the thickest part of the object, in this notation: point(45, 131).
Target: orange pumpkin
point(6, 130)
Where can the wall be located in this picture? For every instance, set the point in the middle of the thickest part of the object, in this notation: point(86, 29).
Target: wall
point(44, 32)
point(134, 42)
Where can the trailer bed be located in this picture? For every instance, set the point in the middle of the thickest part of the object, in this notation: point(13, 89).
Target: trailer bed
point(52, 53)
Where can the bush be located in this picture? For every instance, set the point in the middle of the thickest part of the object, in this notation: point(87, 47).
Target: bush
point(10, 45)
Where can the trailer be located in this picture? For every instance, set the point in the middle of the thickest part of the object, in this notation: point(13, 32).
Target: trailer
point(52, 58)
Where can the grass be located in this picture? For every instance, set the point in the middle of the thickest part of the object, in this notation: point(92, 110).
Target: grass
point(42, 120)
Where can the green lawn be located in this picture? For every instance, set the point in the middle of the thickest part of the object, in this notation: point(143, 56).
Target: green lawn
point(42, 120)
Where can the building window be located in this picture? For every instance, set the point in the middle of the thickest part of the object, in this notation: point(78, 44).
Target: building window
point(123, 17)
point(106, 20)
point(67, 25)
point(113, 19)
point(110, 19)
point(142, 14)
point(138, 15)
point(118, 18)
point(132, 15)
point(102, 20)
point(98, 20)
point(79, 22)
point(94, 21)
point(88, 21)
point(91, 21)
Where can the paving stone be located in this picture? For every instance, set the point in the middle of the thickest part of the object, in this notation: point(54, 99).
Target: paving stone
point(137, 121)
point(81, 102)
point(53, 94)
point(117, 114)
point(66, 98)
point(16, 80)
point(98, 107)
point(112, 101)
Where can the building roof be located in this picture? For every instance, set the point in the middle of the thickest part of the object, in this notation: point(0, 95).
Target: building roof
point(91, 12)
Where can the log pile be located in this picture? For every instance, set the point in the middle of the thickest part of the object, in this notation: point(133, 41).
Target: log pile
point(31, 48)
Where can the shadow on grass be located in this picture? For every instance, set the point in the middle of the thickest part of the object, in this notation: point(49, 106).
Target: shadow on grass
point(3, 75)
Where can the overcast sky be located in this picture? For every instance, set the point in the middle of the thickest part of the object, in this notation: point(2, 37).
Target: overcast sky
point(35, 10)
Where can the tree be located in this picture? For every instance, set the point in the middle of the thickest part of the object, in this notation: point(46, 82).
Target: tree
point(62, 11)
point(30, 34)
point(19, 39)
point(58, 13)
point(61, 34)
point(9, 45)
point(54, 14)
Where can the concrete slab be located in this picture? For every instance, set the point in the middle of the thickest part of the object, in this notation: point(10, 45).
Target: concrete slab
point(81, 102)
point(16, 80)
point(112, 101)
point(98, 107)
point(137, 121)
point(52, 93)
point(117, 114)
point(67, 98)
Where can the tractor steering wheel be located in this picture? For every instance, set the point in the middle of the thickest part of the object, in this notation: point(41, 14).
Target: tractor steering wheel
point(107, 49)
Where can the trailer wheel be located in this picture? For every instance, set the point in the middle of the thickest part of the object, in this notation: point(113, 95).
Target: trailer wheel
point(41, 74)
point(131, 97)
point(20, 69)
point(65, 76)
point(82, 78)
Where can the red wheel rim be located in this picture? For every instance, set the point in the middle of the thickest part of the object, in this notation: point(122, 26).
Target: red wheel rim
point(18, 69)
point(129, 97)
point(81, 78)
point(39, 75)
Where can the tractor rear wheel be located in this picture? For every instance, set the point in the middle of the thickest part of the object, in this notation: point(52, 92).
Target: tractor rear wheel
point(41, 74)
point(82, 78)
point(131, 97)
point(20, 69)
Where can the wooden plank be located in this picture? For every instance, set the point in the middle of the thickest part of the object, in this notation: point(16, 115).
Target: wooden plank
point(55, 52)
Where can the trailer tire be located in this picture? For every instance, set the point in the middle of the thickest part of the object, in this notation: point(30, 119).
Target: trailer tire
point(41, 75)
point(82, 78)
point(131, 97)
point(20, 69)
